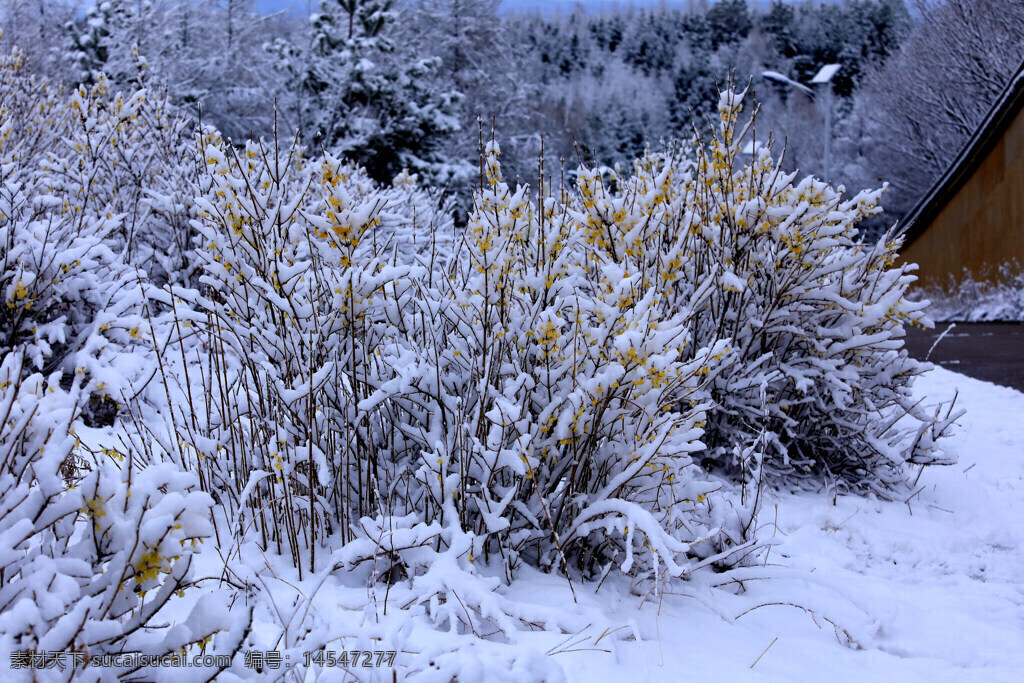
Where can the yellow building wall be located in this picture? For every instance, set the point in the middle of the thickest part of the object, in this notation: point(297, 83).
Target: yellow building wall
point(982, 226)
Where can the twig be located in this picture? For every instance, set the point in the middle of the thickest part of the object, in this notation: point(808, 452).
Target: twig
point(913, 495)
point(469, 620)
point(947, 330)
point(763, 653)
point(774, 535)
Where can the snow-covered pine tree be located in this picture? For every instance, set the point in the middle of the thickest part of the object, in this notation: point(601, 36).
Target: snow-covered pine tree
point(207, 55)
point(478, 61)
point(97, 43)
point(369, 104)
point(728, 21)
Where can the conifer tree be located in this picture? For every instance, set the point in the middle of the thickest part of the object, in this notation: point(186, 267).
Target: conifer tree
point(90, 40)
point(477, 61)
point(367, 103)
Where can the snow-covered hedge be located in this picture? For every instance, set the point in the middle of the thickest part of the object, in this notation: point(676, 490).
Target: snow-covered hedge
point(93, 546)
point(128, 156)
point(356, 385)
point(993, 297)
point(123, 157)
point(522, 399)
point(305, 271)
point(86, 185)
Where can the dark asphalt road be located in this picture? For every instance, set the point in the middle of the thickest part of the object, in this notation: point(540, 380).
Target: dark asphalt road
point(993, 352)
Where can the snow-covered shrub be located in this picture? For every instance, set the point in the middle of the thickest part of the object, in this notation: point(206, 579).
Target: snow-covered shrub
point(992, 297)
point(91, 185)
point(545, 401)
point(67, 297)
point(69, 301)
point(531, 392)
point(129, 155)
point(104, 155)
point(304, 272)
point(30, 113)
point(813, 373)
point(545, 394)
point(91, 555)
point(419, 222)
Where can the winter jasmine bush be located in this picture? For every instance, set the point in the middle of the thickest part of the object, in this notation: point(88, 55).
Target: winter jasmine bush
point(30, 111)
point(562, 385)
point(553, 412)
point(92, 549)
point(545, 388)
point(531, 392)
point(68, 298)
point(70, 301)
point(128, 155)
point(95, 545)
point(101, 154)
point(354, 408)
point(813, 315)
point(811, 377)
point(89, 190)
point(305, 274)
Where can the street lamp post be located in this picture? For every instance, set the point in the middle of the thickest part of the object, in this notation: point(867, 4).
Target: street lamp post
point(823, 77)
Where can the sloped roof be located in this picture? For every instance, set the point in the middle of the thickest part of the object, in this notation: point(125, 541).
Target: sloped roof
point(991, 130)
